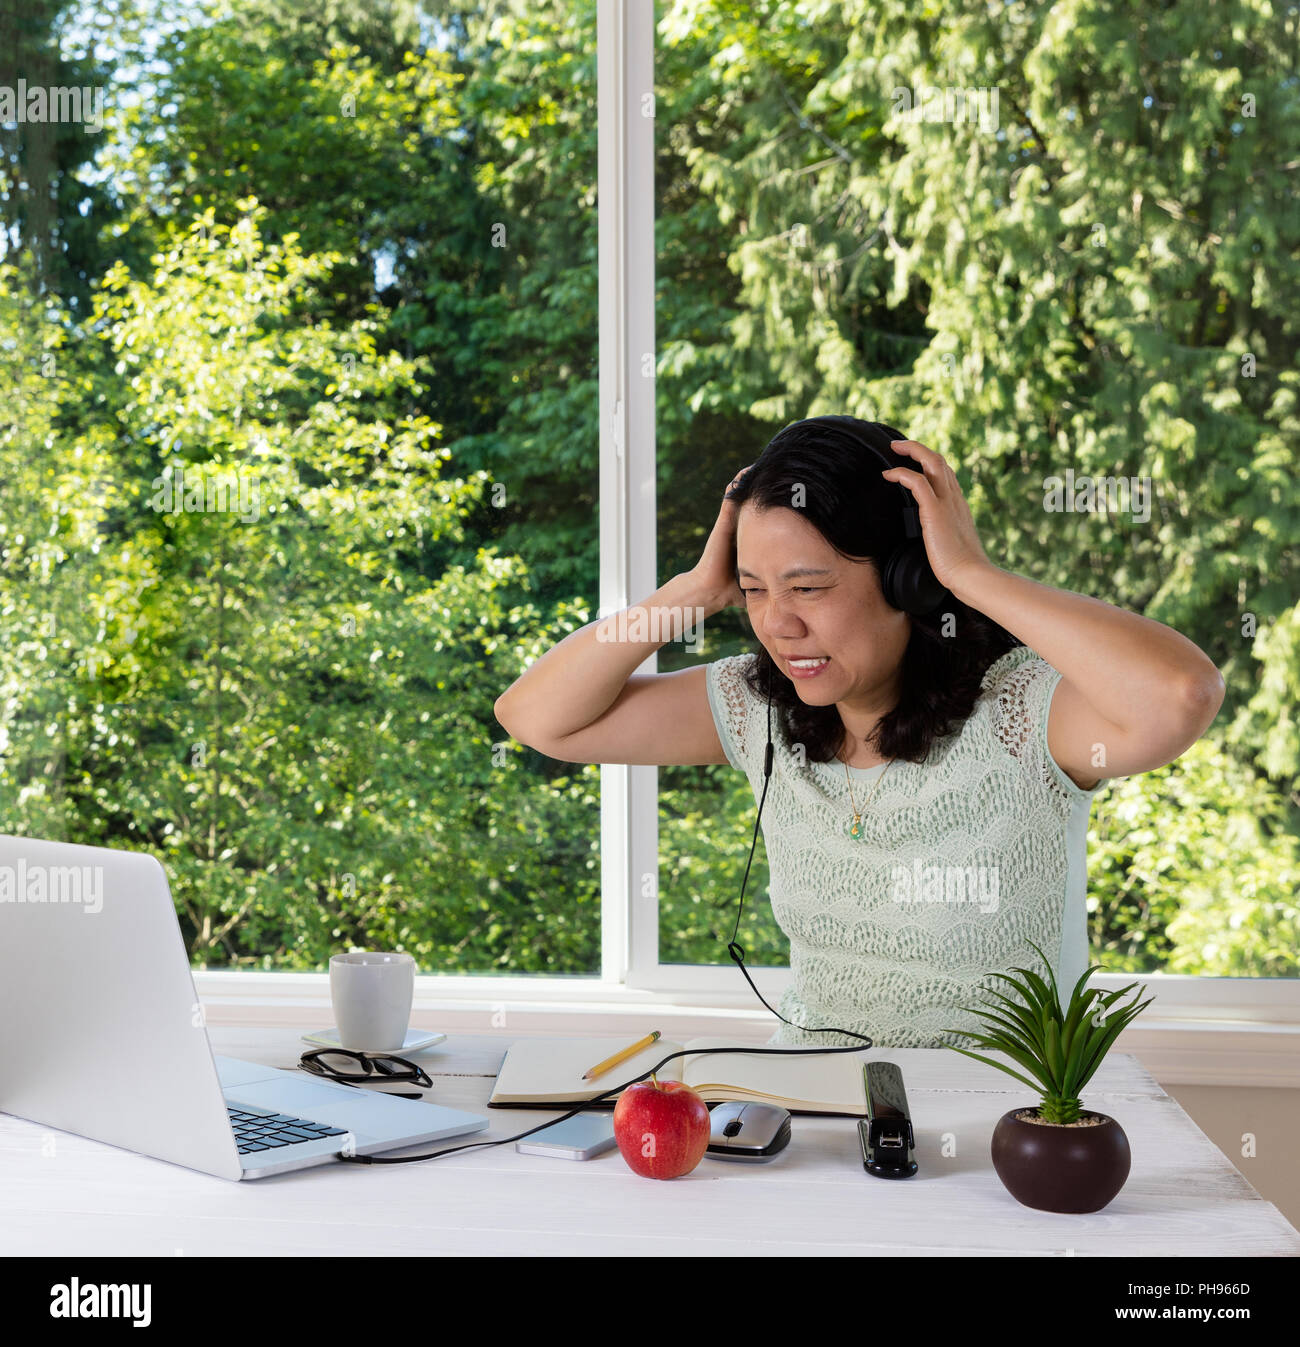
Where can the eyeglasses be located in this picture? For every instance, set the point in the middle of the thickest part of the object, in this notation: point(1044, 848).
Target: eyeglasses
point(353, 1068)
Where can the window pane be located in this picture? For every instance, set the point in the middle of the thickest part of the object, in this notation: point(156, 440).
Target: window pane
point(829, 241)
point(706, 814)
point(316, 480)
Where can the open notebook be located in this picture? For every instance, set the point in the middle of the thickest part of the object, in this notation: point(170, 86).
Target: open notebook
point(541, 1072)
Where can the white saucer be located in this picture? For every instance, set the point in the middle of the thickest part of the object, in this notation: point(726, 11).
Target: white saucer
point(416, 1039)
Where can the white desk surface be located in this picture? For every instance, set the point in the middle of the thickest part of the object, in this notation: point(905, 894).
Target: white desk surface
point(1183, 1196)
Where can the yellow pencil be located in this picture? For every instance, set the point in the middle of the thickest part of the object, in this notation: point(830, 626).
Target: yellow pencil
point(621, 1056)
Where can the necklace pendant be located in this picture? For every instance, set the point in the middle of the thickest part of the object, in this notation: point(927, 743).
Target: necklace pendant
point(856, 829)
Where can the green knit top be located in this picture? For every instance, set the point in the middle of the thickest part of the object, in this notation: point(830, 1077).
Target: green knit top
point(960, 859)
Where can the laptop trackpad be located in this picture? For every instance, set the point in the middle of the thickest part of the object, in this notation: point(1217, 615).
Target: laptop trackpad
point(339, 1107)
point(234, 1071)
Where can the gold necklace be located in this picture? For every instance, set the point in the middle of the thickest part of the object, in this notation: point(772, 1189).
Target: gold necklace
point(856, 830)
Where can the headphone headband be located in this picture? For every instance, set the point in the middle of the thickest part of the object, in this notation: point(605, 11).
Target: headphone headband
point(906, 576)
point(911, 515)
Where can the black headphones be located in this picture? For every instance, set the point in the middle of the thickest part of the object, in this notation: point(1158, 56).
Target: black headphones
point(907, 578)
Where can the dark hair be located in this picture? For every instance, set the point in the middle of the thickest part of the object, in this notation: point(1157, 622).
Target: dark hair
point(821, 464)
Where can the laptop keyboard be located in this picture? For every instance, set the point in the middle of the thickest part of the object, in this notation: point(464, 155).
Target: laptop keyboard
point(267, 1131)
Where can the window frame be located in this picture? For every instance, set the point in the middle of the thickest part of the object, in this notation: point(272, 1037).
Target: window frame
point(1201, 1030)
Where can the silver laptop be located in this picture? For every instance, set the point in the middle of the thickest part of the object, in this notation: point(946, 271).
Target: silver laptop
point(101, 1032)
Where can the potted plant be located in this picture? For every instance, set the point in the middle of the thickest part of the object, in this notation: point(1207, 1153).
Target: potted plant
point(1057, 1156)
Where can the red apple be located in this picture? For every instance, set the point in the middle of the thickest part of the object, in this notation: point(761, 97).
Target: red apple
point(662, 1130)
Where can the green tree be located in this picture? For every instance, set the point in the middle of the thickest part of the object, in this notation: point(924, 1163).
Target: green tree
point(50, 204)
point(284, 678)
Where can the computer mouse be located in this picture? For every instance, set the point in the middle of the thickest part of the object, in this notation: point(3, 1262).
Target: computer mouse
point(741, 1131)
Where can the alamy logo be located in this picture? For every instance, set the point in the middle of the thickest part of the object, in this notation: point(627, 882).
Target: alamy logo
point(25, 883)
point(52, 103)
point(954, 106)
point(100, 1300)
point(234, 493)
point(654, 624)
point(917, 883)
point(1093, 495)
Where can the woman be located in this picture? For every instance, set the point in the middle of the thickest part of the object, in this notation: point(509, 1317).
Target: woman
point(933, 773)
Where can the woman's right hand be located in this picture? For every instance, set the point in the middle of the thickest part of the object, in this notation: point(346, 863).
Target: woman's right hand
point(714, 574)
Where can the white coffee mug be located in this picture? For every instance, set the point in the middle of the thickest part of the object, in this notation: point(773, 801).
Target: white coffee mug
point(372, 994)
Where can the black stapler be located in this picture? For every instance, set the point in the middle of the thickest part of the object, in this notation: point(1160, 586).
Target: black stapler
point(886, 1131)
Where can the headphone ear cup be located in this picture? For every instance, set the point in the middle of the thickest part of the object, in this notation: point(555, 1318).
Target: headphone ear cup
point(909, 583)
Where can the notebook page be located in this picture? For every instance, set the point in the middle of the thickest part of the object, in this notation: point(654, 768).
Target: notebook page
point(834, 1082)
point(551, 1068)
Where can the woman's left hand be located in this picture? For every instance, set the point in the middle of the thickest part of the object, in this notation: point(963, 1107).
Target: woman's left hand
point(951, 542)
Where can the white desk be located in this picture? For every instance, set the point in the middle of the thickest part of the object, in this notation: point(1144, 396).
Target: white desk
point(1182, 1197)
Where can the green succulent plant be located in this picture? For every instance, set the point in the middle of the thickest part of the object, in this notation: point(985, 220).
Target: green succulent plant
point(1062, 1049)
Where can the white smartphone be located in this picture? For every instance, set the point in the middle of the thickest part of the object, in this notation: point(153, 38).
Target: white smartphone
point(578, 1138)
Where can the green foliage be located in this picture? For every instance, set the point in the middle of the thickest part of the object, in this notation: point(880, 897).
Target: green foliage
point(1194, 868)
point(1060, 1047)
point(1270, 719)
point(1109, 282)
point(398, 344)
point(51, 200)
point(291, 702)
point(706, 825)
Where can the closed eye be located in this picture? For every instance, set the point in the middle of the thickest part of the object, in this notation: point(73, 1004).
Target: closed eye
point(798, 589)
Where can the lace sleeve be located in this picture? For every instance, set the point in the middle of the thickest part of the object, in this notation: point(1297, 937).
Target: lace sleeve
point(1022, 700)
point(737, 713)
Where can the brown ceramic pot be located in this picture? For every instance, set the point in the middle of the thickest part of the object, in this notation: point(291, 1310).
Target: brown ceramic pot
point(1056, 1168)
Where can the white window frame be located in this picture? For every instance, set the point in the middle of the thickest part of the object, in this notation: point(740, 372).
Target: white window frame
point(1201, 1030)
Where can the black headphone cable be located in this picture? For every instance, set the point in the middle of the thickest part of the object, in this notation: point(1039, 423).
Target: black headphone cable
point(736, 951)
point(737, 954)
